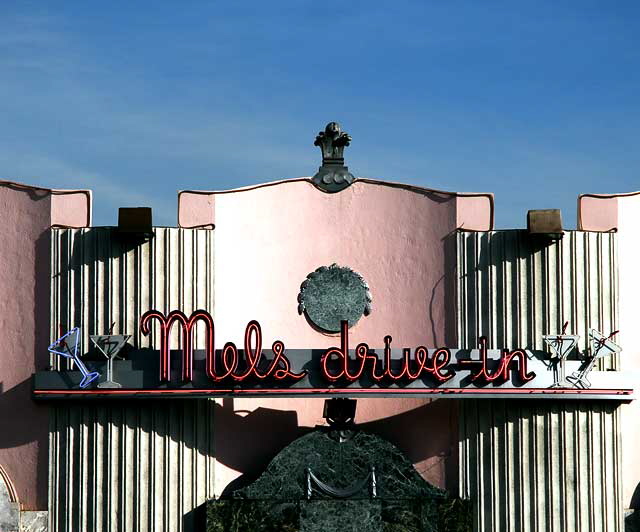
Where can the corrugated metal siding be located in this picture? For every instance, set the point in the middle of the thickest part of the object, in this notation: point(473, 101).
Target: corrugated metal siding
point(98, 280)
point(142, 466)
point(543, 465)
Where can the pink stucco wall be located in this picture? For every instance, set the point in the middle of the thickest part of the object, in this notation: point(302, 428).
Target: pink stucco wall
point(597, 212)
point(71, 208)
point(26, 214)
point(195, 209)
point(622, 212)
point(474, 211)
point(269, 238)
point(629, 289)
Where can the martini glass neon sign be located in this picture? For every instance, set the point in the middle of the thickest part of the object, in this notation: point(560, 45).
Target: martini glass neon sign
point(601, 346)
point(561, 345)
point(67, 346)
point(110, 345)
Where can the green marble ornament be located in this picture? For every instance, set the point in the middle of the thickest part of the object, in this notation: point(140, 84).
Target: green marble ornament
point(279, 499)
point(332, 294)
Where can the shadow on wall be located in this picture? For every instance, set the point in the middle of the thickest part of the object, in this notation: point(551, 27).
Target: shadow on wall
point(632, 521)
point(196, 519)
point(42, 321)
point(26, 277)
point(247, 443)
point(450, 293)
point(489, 259)
point(89, 248)
point(24, 425)
point(19, 430)
point(635, 499)
point(427, 432)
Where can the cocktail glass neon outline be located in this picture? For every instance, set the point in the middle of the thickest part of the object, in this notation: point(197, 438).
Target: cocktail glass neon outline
point(87, 376)
point(561, 345)
point(115, 342)
point(601, 346)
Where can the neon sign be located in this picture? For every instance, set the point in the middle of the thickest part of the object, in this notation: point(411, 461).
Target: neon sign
point(502, 372)
point(422, 362)
point(61, 347)
point(336, 364)
point(561, 346)
point(226, 369)
point(601, 346)
point(166, 323)
point(279, 369)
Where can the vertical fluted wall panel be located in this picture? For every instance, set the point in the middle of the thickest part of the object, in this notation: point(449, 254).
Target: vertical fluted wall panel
point(135, 466)
point(513, 291)
point(99, 279)
point(538, 465)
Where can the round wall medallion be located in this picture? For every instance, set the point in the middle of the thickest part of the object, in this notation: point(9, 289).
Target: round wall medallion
point(332, 294)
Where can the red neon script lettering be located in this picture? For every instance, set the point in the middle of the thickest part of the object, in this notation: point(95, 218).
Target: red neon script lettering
point(279, 368)
point(501, 373)
point(334, 363)
point(166, 323)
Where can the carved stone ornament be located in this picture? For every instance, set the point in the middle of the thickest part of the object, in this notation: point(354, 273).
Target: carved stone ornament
point(333, 175)
point(332, 294)
point(304, 486)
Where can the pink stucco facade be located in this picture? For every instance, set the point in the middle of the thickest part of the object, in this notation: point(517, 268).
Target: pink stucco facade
point(473, 211)
point(26, 214)
point(621, 213)
point(70, 208)
point(288, 229)
point(269, 238)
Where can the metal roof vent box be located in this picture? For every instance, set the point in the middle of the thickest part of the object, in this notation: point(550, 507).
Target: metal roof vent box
point(135, 223)
point(545, 224)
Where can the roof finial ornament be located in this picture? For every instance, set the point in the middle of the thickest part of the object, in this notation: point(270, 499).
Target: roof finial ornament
point(333, 175)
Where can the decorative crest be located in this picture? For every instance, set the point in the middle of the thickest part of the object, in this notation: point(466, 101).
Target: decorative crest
point(332, 294)
point(333, 175)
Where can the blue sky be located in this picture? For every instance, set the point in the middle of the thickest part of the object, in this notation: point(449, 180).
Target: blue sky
point(536, 102)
